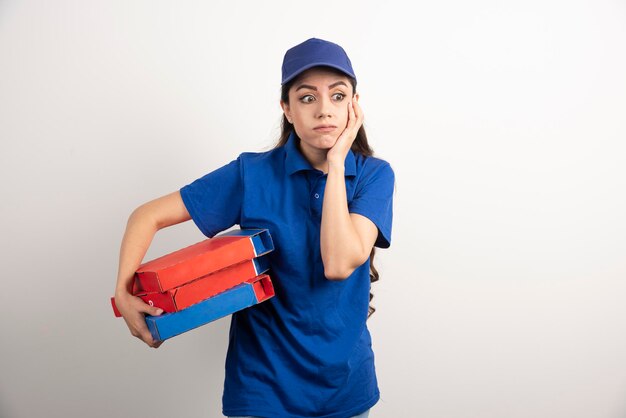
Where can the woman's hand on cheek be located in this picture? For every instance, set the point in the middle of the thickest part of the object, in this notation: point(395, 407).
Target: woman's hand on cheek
point(337, 154)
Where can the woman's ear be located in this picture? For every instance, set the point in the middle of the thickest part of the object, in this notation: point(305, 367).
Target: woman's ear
point(286, 110)
point(356, 97)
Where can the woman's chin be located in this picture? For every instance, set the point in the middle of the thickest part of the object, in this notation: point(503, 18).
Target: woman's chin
point(320, 142)
point(327, 141)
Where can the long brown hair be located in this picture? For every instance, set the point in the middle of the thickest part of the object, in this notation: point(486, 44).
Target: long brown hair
point(360, 146)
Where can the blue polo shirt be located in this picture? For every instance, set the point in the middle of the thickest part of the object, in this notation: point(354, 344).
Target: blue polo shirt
point(306, 352)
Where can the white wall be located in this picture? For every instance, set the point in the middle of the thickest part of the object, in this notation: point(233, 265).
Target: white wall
point(502, 293)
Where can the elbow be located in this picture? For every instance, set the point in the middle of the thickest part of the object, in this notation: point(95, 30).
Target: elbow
point(142, 215)
point(338, 273)
point(340, 268)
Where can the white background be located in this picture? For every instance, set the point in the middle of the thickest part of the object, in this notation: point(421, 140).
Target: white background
point(502, 295)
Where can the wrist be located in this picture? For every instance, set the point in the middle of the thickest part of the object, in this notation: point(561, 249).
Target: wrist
point(336, 166)
point(121, 293)
point(124, 287)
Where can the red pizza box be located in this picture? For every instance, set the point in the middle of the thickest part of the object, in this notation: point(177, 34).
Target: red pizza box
point(205, 257)
point(179, 298)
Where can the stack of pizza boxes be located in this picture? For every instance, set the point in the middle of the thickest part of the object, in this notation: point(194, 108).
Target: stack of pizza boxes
point(205, 281)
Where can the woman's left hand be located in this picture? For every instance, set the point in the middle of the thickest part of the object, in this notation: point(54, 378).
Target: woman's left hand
point(337, 154)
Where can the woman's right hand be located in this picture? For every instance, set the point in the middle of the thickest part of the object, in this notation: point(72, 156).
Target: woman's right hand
point(133, 310)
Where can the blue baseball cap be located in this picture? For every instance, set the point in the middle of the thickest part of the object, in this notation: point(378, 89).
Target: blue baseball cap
point(312, 53)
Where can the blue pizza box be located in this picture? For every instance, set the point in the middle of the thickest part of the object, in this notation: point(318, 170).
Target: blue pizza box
point(249, 293)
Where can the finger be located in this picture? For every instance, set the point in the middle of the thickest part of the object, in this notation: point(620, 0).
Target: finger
point(148, 309)
point(137, 323)
point(144, 334)
point(153, 310)
point(358, 112)
point(350, 122)
point(351, 114)
point(357, 116)
point(147, 338)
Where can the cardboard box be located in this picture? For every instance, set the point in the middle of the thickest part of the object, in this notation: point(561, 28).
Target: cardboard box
point(179, 298)
point(205, 257)
point(246, 294)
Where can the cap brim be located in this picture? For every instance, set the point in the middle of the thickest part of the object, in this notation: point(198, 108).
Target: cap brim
point(316, 64)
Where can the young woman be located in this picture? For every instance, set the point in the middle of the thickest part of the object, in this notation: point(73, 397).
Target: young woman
point(326, 202)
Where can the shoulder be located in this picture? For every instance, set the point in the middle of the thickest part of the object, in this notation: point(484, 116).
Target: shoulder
point(255, 164)
point(262, 157)
point(370, 168)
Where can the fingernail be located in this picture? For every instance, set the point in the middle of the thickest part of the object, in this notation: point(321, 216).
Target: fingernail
point(159, 311)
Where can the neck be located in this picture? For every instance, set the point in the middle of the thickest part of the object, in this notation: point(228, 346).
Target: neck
point(315, 157)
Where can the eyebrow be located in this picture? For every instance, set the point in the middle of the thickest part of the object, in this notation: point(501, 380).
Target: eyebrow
point(306, 86)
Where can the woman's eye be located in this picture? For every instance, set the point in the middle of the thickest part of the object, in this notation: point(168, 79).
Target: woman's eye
point(339, 96)
point(307, 99)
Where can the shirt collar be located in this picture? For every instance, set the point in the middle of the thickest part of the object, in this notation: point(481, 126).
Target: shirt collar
point(295, 161)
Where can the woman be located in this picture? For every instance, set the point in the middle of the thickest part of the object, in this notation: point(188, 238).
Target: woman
point(326, 202)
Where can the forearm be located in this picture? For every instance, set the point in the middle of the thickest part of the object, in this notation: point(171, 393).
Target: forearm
point(142, 225)
point(341, 246)
point(140, 231)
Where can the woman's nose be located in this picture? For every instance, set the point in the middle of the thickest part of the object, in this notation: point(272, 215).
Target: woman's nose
point(324, 108)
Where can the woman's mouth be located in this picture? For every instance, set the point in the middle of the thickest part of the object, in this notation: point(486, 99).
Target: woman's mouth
point(325, 128)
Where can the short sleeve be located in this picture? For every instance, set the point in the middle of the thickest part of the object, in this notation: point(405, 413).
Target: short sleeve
point(374, 200)
point(214, 200)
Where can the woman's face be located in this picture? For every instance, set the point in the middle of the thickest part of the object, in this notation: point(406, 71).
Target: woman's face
point(318, 107)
